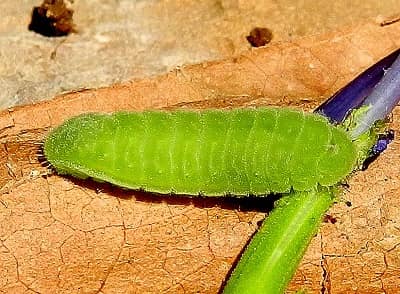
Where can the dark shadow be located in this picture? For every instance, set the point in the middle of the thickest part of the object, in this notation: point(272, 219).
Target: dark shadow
point(248, 203)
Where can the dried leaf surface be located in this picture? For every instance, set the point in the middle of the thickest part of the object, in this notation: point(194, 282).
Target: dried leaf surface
point(63, 235)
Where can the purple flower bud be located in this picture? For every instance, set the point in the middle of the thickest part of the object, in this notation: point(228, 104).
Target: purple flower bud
point(383, 142)
point(353, 94)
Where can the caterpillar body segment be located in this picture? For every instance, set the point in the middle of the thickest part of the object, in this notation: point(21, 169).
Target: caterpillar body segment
point(212, 152)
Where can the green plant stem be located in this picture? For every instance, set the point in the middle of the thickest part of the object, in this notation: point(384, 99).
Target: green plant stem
point(272, 257)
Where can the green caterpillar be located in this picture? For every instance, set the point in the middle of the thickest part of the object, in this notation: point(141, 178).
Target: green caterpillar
point(213, 152)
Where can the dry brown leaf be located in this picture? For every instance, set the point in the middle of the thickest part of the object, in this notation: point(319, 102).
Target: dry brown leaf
point(63, 235)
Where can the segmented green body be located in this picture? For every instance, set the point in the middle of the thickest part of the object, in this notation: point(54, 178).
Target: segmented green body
point(212, 152)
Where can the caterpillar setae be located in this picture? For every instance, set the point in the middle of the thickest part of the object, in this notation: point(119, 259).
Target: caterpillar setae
point(212, 152)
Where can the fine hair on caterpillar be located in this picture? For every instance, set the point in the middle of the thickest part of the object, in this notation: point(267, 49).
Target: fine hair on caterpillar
point(41, 157)
point(210, 152)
